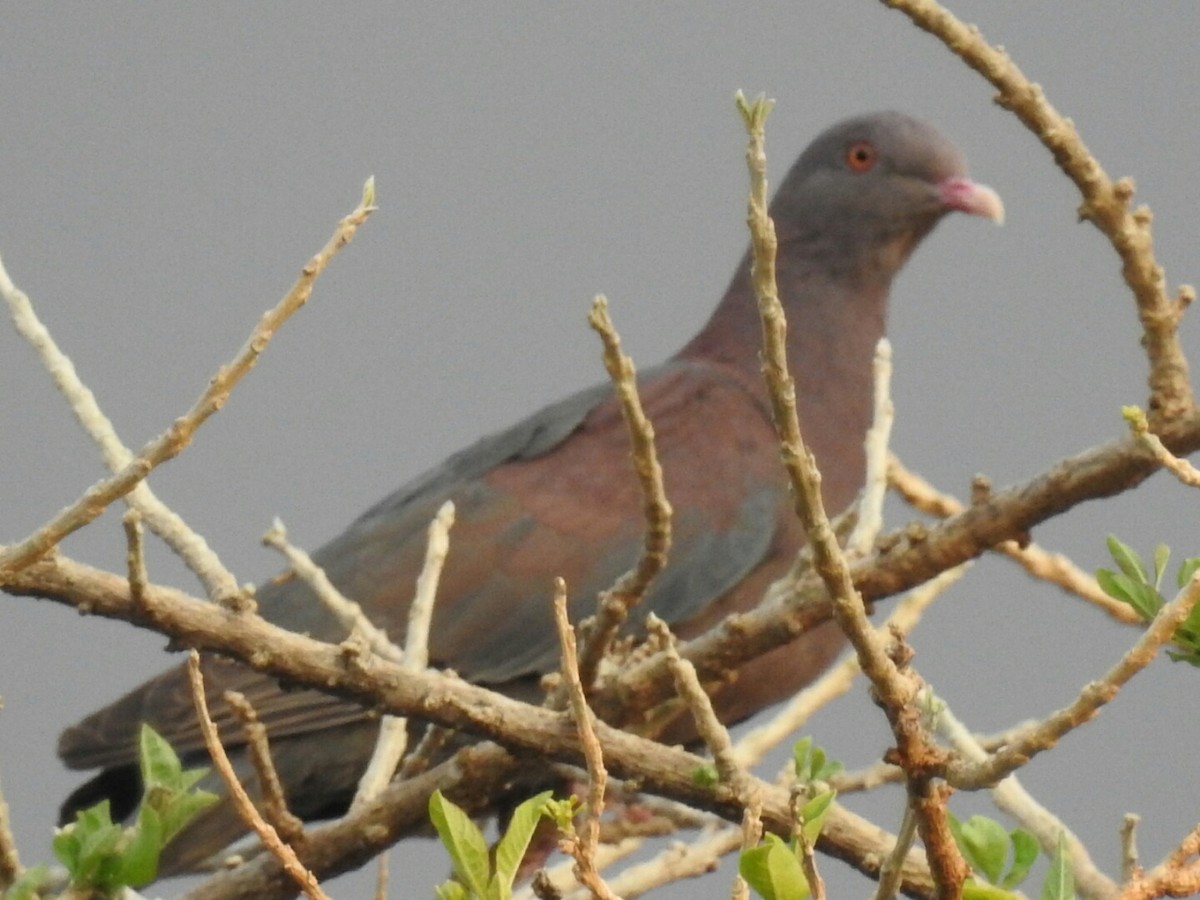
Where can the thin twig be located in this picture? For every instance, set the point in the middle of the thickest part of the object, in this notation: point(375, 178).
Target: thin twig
point(629, 589)
point(714, 734)
point(10, 860)
point(135, 555)
point(130, 473)
point(756, 743)
point(1047, 733)
point(1105, 202)
point(1177, 466)
point(808, 860)
point(393, 730)
point(348, 612)
point(428, 747)
point(895, 688)
point(889, 875)
point(675, 863)
point(582, 847)
point(1129, 851)
point(381, 878)
point(750, 834)
point(274, 802)
point(870, 516)
point(241, 800)
point(716, 737)
point(1176, 876)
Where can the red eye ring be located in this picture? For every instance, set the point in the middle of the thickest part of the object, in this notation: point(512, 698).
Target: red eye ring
point(861, 156)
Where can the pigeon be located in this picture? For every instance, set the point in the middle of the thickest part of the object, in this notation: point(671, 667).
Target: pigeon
point(554, 496)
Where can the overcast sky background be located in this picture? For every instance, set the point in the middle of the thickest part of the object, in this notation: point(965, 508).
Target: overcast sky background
point(166, 171)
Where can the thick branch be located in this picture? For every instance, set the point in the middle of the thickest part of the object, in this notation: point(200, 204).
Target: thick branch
point(383, 685)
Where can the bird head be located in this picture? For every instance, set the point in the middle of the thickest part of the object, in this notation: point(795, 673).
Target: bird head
point(868, 189)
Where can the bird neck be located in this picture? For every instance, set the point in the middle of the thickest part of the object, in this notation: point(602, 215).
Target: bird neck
point(833, 327)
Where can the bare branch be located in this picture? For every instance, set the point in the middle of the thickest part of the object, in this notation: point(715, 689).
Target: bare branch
point(1180, 468)
point(241, 800)
point(135, 557)
point(133, 470)
point(437, 697)
point(1043, 735)
point(1105, 202)
point(1129, 851)
point(393, 730)
point(889, 875)
point(790, 718)
point(582, 848)
point(616, 602)
point(275, 809)
point(1042, 564)
point(347, 611)
point(870, 516)
point(1177, 876)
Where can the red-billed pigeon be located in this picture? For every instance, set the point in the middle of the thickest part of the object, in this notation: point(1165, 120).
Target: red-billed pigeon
point(554, 495)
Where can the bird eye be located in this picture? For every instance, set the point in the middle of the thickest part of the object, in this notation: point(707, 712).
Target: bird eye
point(861, 156)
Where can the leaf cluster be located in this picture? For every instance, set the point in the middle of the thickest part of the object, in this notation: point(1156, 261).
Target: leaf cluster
point(478, 874)
point(102, 856)
point(773, 868)
point(1131, 583)
point(1001, 861)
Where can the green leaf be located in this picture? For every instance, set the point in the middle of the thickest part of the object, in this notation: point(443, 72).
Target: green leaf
point(1127, 559)
point(1191, 656)
point(563, 812)
point(464, 841)
point(181, 809)
point(816, 762)
point(1141, 596)
point(1187, 569)
point(451, 890)
point(510, 849)
point(974, 889)
point(85, 847)
point(1161, 554)
point(30, 882)
point(814, 813)
point(159, 763)
point(984, 843)
point(773, 871)
point(801, 751)
point(139, 856)
point(810, 763)
point(1060, 882)
point(1025, 853)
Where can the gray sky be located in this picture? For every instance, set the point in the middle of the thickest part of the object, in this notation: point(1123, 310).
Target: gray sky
point(166, 172)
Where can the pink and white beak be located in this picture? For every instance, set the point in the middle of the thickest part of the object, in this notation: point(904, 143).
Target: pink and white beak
point(965, 195)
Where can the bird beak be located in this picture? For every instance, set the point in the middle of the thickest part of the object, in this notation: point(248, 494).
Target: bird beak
point(965, 195)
